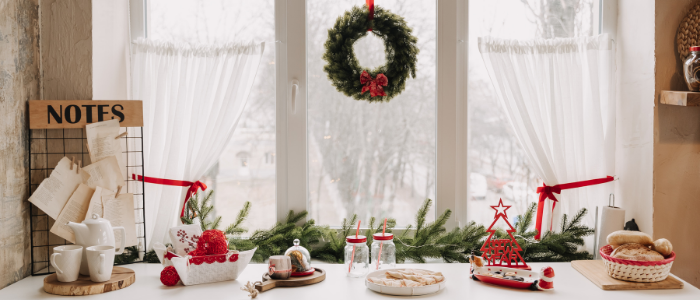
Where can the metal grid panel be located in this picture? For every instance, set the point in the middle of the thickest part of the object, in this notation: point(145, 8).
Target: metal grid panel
point(46, 148)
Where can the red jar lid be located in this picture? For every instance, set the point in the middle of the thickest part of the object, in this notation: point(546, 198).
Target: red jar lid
point(694, 48)
point(358, 239)
point(385, 237)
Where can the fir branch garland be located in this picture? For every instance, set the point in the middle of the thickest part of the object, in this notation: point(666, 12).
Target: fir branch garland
point(344, 69)
point(417, 243)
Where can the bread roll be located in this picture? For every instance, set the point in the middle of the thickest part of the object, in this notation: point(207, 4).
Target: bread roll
point(622, 237)
point(636, 252)
point(663, 246)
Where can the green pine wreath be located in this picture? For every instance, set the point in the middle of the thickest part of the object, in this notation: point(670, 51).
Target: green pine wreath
point(343, 68)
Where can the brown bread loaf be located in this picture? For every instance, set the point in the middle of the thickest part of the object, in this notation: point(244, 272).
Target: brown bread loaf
point(638, 252)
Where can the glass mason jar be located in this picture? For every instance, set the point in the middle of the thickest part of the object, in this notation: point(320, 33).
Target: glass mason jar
point(356, 256)
point(691, 69)
point(383, 251)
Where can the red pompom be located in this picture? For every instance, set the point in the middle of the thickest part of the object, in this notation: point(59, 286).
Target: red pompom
point(169, 276)
point(213, 242)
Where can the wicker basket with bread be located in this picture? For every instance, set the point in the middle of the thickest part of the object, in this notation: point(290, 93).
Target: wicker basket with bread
point(634, 256)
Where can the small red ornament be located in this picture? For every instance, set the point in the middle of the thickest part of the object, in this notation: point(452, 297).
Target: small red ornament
point(212, 242)
point(502, 252)
point(169, 276)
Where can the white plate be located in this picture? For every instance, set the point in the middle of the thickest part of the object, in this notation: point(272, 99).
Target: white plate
point(404, 290)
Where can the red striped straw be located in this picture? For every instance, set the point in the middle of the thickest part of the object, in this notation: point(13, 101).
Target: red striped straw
point(353, 247)
point(381, 244)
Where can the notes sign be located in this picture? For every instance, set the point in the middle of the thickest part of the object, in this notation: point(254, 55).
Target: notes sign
point(48, 114)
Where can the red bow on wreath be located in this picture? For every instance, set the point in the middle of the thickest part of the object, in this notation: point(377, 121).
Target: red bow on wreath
point(374, 86)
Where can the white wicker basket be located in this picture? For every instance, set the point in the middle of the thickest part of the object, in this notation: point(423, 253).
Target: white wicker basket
point(636, 271)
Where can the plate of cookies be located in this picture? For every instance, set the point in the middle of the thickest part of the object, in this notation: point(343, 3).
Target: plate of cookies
point(635, 256)
point(405, 282)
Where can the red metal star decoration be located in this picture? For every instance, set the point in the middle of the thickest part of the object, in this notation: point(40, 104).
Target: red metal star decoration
point(500, 209)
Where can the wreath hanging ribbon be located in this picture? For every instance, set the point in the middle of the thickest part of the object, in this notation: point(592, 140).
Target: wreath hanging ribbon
point(547, 192)
point(193, 186)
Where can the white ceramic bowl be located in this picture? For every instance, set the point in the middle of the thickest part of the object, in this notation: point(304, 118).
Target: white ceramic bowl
point(404, 290)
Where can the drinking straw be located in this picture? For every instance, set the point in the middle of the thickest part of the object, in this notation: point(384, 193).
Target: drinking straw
point(381, 244)
point(353, 246)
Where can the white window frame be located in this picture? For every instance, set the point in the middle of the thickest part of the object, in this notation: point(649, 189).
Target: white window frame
point(291, 115)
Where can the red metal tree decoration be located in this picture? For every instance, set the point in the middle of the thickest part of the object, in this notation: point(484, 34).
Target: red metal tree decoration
point(502, 252)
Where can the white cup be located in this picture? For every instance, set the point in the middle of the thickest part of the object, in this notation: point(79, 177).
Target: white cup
point(66, 261)
point(100, 262)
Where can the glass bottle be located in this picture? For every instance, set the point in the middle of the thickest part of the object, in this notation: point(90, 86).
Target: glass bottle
point(356, 256)
point(383, 251)
point(691, 69)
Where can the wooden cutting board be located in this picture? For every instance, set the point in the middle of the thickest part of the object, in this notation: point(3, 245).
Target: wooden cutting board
point(595, 271)
point(268, 283)
point(121, 278)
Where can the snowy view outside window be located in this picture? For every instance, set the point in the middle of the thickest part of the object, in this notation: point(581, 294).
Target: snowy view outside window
point(370, 159)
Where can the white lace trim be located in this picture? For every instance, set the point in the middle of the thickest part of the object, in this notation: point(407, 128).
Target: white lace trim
point(557, 45)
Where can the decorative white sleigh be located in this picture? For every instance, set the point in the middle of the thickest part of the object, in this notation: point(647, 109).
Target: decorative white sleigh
point(206, 269)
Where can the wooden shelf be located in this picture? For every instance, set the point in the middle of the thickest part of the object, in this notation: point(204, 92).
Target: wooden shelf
point(680, 98)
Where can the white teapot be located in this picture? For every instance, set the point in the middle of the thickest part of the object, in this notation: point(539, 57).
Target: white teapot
point(95, 232)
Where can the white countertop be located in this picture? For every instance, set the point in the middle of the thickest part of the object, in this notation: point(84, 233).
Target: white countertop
point(568, 284)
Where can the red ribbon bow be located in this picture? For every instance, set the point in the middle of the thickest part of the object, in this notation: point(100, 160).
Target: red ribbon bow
point(547, 192)
point(374, 86)
point(194, 186)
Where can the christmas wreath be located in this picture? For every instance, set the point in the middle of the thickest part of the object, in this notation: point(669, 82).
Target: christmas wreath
point(345, 72)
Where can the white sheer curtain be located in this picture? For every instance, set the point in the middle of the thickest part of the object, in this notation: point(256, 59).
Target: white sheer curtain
point(558, 96)
point(193, 98)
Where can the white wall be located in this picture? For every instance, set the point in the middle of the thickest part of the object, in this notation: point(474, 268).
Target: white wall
point(635, 110)
point(110, 49)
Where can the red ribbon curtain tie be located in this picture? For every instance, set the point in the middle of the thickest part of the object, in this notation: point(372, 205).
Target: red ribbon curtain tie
point(193, 186)
point(373, 85)
point(547, 192)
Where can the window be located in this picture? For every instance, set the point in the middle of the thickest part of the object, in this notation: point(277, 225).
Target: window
point(367, 158)
point(242, 173)
point(498, 167)
point(336, 156)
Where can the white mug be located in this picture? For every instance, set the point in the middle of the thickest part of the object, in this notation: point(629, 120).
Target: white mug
point(68, 264)
point(100, 262)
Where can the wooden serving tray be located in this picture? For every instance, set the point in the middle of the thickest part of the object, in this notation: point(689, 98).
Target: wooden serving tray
point(121, 278)
point(269, 283)
point(595, 271)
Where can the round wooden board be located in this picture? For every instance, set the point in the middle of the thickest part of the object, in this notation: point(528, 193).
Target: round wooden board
point(121, 278)
point(268, 283)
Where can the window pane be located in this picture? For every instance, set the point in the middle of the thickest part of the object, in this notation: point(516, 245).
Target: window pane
point(497, 164)
point(372, 159)
point(246, 169)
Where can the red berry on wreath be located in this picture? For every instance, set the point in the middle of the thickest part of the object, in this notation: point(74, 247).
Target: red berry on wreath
point(169, 276)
